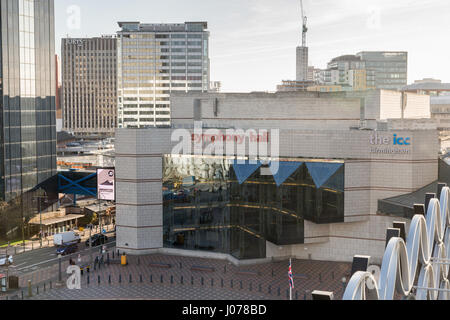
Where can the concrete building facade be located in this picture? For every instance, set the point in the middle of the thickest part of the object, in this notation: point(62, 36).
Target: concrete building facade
point(89, 85)
point(197, 205)
point(302, 64)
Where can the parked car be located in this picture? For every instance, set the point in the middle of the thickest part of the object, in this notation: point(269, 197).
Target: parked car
point(97, 239)
point(66, 249)
point(66, 238)
point(6, 260)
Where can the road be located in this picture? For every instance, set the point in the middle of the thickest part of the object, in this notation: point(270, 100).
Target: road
point(41, 258)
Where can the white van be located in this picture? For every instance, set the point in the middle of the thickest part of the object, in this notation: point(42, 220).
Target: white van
point(66, 238)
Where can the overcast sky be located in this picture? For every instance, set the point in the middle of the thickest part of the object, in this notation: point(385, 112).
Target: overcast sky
point(253, 41)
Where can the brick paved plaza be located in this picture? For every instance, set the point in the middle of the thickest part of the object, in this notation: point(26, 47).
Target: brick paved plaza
point(171, 277)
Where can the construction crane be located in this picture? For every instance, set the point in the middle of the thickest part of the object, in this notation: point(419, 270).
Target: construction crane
point(304, 29)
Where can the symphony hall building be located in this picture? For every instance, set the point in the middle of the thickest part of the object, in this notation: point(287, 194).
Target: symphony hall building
point(326, 166)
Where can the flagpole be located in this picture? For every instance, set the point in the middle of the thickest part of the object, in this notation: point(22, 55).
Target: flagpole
point(290, 287)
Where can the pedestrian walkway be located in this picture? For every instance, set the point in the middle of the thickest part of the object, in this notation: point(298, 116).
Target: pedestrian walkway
point(186, 275)
point(48, 241)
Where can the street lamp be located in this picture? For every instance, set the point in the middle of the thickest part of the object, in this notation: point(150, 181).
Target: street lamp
point(344, 281)
point(39, 197)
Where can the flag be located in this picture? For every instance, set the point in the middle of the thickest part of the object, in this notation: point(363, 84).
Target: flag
point(291, 278)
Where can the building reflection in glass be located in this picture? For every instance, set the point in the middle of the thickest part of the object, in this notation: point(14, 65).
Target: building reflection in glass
point(219, 205)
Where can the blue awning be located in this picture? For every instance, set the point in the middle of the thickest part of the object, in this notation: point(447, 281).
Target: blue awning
point(322, 171)
point(283, 170)
point(244, 170)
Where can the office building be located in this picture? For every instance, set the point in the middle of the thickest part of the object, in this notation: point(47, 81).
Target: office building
point(323, 201)
point(390, 68)
point(89, 85)
point(27, 95)
point(155, 60)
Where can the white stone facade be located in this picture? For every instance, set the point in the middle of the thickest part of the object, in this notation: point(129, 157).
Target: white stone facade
point(370, 175)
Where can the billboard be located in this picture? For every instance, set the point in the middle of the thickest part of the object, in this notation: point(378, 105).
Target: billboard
point(106, 183)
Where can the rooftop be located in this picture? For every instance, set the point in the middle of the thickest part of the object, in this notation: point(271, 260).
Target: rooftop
point(189, 26)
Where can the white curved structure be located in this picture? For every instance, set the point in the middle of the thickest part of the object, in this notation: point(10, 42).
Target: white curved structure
point(427, 247)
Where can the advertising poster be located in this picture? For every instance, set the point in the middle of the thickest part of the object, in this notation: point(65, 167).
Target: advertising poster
point(106, 184)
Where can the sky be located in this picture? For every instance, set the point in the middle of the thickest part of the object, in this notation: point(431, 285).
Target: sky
point(252, 42)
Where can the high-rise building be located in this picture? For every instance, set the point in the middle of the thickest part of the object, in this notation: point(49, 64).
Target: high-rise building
point(390, 68)
point(89, 89)
point(155, 60)
point(302, 64)
point(27, 95)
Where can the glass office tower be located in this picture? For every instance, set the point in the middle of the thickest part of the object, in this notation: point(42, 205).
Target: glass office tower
point(155, 60)
point(27, 95)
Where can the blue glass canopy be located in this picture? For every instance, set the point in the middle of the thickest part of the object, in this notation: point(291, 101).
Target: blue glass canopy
point(283, 170)
point(244, 170)
point(322, 171)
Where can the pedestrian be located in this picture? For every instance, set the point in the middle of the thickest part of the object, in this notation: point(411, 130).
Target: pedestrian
point(79, 258)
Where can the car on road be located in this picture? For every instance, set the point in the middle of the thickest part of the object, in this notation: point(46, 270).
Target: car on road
point(97, 239)
point(66, 249)
point(6, 260)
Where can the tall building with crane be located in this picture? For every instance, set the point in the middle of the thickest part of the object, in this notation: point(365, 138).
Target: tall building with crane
point(302, 51)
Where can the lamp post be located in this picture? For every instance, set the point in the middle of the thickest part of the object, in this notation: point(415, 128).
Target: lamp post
point(344, 281)
point(59, 273)
point(38, 198)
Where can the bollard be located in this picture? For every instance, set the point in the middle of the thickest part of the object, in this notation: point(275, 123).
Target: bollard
point(192, 280)
point(30, 293)
point(98, 280)
point(240, 284)
point(120, 278)
point(140, 278)
point(296, 295)
point(171, 279)
point(202, 281)
point(250, 286)
point(162, 279)
point(87, 280)
point(151, 278)
point(118, 253)
point(212, 282)
point(221, 282)
point(130, 281)
point(270, 290)
point(22, 294)
point(231, 283)
point(181, 280)
point(278, 292)
point(113, 254)
point(107, 257)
